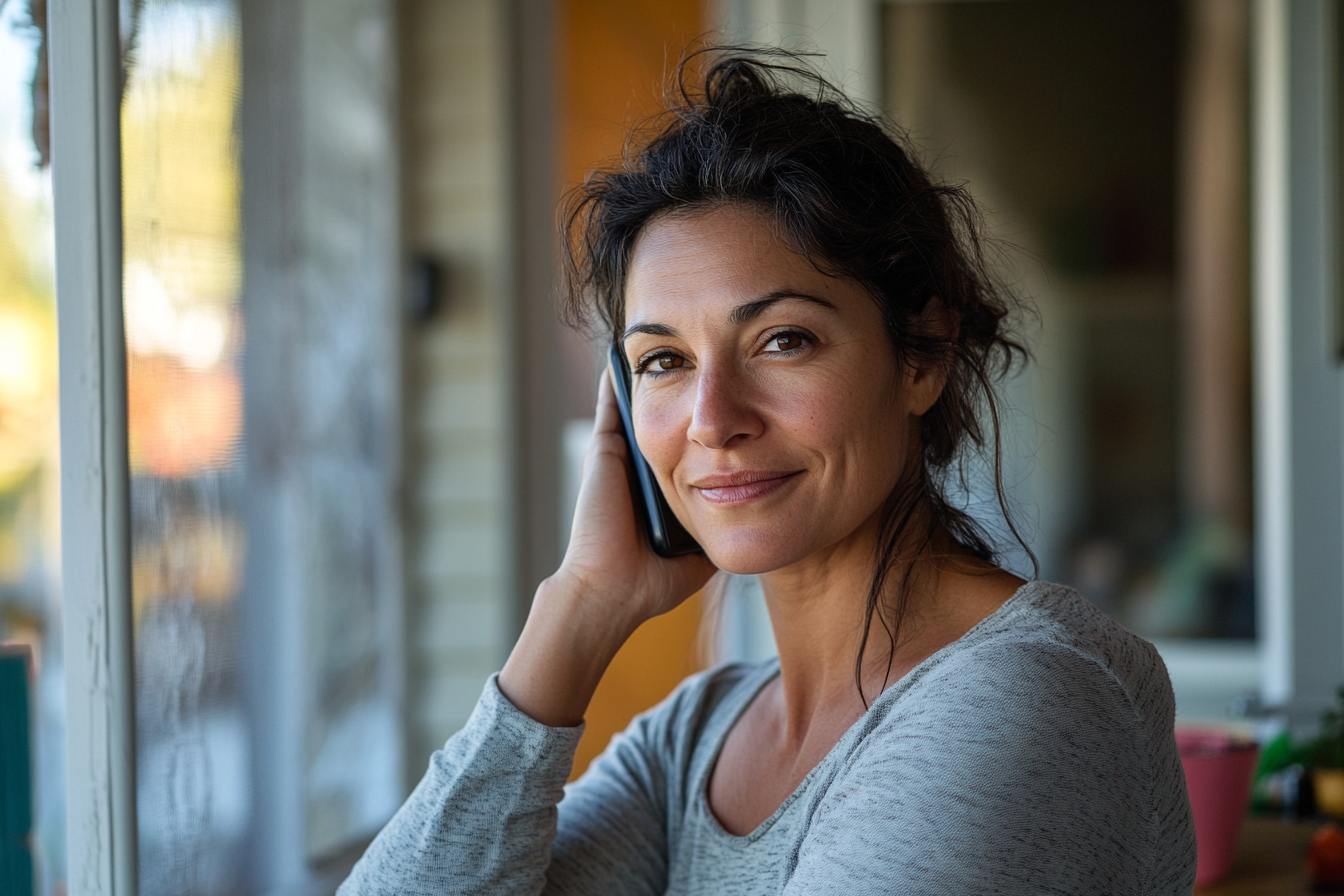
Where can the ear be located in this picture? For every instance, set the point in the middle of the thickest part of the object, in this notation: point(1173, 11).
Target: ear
point(926, 376)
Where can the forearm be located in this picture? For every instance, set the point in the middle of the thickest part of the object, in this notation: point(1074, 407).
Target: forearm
point(482, 819)
point(567, 643)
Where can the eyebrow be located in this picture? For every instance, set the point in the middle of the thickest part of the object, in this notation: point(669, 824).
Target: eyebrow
point(740, 315)
point(744, 313)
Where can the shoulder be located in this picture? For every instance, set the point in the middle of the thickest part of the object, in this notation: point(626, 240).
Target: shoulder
point(1046, 673)
point(1045, 690)
point(713, 687)
point(661, 749)
point(1054, 629)
point(701, 705)
point(1048, 719)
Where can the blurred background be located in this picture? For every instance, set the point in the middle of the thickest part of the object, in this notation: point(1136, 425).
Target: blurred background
point(355, 424)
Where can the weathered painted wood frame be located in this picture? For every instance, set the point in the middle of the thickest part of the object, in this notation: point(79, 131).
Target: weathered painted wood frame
point(95, 522)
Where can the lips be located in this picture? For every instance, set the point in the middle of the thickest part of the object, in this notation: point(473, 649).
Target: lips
point(742, 485)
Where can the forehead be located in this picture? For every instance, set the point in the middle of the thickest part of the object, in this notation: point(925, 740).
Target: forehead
point(723, 255)
point(677, 230)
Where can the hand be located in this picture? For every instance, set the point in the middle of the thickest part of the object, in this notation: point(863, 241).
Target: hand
point(609, 559)
point(608, 584)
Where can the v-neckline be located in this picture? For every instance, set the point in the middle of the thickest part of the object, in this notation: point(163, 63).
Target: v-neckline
point(768, 673)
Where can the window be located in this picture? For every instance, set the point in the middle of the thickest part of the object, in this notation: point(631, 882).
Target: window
point(238, 581)
point(1109, 141)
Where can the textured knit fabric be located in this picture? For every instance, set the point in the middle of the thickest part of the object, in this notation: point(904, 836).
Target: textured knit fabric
point(1033, 755)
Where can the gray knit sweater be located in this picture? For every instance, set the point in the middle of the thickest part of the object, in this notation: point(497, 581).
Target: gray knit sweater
point(1033, 755)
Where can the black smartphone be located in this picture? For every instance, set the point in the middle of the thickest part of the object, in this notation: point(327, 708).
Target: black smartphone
point(667, 535)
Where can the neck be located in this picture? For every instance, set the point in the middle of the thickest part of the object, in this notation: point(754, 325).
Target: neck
point(816, 609)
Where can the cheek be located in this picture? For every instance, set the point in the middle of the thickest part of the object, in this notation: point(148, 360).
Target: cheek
point(838, 413)
point(660, 428)
point(857, 430)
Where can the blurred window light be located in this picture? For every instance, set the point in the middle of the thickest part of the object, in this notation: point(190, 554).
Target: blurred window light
point(245, 645)
point(181, 277)
point(29, 450)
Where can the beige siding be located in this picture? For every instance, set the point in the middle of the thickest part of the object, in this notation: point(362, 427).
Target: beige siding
point(454, 119)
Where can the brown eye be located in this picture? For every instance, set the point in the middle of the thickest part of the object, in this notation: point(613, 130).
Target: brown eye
point(669, 362)
point(785, 342)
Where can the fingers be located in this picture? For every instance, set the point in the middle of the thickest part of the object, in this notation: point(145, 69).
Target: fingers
point(608, 416)
point(608, 437)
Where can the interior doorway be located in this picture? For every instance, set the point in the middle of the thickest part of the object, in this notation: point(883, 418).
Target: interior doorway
point(1107, 141)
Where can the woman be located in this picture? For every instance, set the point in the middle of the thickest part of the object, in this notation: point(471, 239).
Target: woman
point(812, 335)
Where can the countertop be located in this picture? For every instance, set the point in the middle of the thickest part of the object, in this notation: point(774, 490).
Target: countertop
point(1271, 860)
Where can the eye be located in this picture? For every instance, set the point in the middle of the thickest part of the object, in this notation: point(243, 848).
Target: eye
point(786, 341)
point(660, 363)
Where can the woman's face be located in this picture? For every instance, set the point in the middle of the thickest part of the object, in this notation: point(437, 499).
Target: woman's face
point(767, 397)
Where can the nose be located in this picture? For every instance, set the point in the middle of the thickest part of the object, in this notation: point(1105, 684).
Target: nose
point(724, 412)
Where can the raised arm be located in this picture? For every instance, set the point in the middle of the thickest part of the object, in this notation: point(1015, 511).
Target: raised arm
point(484, 818)
point(609, 583)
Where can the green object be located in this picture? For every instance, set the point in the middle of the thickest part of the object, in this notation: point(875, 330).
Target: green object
point(16, 779)
point(1276, 756)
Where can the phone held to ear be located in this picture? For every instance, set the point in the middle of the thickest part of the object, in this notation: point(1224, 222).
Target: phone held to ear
point(667, 535)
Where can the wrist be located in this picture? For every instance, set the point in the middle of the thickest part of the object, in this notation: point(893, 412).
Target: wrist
point(597, 622)
point(570, 638)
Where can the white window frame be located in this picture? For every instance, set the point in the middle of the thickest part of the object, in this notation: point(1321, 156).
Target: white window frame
point(1299, 383)
point(95, 520)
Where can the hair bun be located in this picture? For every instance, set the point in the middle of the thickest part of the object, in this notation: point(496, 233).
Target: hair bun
point(734, 80)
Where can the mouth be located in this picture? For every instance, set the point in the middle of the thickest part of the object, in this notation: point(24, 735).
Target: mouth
point(742, 486)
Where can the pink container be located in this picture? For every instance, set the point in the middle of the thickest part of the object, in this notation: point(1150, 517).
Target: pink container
point(1218, 768)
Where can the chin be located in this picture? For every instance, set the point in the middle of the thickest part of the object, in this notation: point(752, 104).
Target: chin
point(750, 551)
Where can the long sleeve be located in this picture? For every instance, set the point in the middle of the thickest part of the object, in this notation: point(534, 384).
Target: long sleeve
point(492, 814)
point(1031, 772)
point(483, 817)
point(1037, 756)
point(613, 833)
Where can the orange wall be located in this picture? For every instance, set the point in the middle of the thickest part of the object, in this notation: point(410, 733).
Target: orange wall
point(613, 56)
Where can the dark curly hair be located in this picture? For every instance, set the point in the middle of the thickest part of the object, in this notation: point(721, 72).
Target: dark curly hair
point(760, 128)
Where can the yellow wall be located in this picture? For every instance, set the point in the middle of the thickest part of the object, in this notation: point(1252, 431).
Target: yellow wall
point(613, 57)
